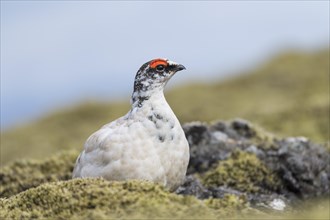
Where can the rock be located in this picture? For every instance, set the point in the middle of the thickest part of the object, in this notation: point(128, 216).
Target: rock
point(298, 168)
point(277, 204)
point(303, 166)
point(193, 186)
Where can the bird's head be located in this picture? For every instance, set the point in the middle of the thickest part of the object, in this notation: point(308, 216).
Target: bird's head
point(153, 76)
point(155, 73)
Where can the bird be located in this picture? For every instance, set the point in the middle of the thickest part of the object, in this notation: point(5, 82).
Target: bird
point(148, 143)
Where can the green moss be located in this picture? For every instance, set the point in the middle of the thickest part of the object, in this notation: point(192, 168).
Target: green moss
point(98, 198)
point(231, 205)
point(313, 209)
point(25, 174)
point(242, 171)
point(35, 190)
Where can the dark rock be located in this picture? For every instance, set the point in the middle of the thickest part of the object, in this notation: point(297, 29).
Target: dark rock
point(221, 191)
point(203, 153)
point(192, 186)
point(303, 167)
point(197, 133)
point(243, 128)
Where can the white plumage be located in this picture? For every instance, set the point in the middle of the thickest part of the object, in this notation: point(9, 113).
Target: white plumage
point(147, 143)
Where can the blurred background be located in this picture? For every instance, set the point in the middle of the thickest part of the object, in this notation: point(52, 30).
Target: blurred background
point(67, 68)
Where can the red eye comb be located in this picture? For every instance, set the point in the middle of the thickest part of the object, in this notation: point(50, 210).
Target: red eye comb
point(157, 62)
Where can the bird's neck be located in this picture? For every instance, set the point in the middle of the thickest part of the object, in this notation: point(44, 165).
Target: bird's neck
point(152, 105)
point(141, 98)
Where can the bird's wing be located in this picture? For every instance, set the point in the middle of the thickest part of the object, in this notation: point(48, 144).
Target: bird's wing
point(94, 146)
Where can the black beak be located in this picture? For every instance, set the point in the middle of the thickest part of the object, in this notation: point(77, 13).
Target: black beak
point(178, 67)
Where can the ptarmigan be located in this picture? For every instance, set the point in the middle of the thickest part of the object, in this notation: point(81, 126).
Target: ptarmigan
point(148, 143)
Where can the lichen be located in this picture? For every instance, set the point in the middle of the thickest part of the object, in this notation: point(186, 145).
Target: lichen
point(100, 199)
point(25, 174)
point(242, 171)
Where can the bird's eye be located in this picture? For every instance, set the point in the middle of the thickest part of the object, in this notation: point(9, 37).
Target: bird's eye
point(160, 68)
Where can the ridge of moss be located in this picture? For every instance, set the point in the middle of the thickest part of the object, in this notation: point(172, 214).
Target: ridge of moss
point(44, 189)
point(98, 198)
point(21, 175)
point(242, 171)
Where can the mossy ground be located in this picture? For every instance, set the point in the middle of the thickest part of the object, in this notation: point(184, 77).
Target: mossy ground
point(44, 189)
point(96, 198)
point(25, 174)
point(242, 171)
point(37, 189)
point(101, 199)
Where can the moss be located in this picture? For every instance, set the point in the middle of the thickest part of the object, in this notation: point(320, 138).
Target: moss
point(25, 174)
point(35, 190)
point(231, 205)
point(98, 198)
point(242, 171)
point(313, 209)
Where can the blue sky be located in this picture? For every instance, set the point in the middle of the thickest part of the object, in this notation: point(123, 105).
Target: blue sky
point(57, 53)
